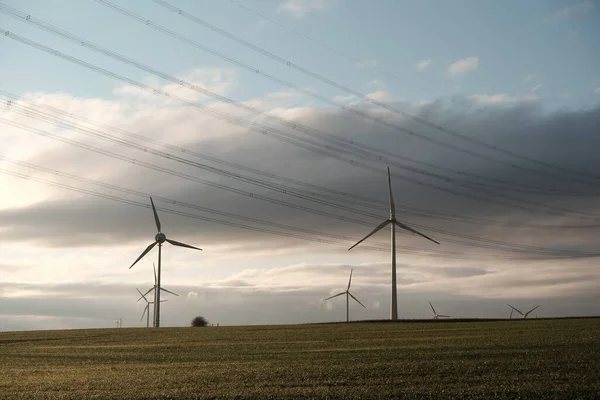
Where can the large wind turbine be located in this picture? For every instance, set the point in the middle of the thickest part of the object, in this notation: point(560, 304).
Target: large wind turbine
point(435, 314)
point(393, 223)
point(524, 315)
point(147, 308)
point(348, 295)
point(159, 239)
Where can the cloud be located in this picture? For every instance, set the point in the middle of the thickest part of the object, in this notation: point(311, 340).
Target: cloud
point(569, 12)
point(300, 8)
point(381, 96)
point(368, 63)
point(421, 65)
point(500, 98)
point(462, 66)
point(529, 77)
point(537, 87)
point(597, 90)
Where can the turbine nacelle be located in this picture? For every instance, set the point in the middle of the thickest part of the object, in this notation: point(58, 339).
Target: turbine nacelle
point(160, 238)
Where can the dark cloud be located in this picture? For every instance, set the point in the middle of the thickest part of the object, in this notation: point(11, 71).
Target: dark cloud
point(568, 138)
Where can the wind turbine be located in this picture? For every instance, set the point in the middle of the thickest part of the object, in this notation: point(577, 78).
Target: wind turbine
point(119, 322)
point(348, 295)
point(159, 239)
point(154, 288)
point(393, 223)
point(524, 315)
point(436, 315)
point(147, 308)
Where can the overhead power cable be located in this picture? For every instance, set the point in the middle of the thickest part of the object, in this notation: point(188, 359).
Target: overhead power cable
point(327, 239)
point(235, 176)
point(200, 208)
point(350, 148)
point(406, 249)
point(594, 179)
point(362, 63)
point(492, 199)
point(504, 246)
point(339, 196)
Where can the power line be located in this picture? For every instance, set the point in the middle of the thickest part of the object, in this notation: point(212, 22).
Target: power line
point(266, 130)
point(240, 177)
point(511, 246)
point(327, 237)
point(340, 196)
point(330, 82)
point(214, 220)
point(348, 147)
point(340, 53)
point(381, 121)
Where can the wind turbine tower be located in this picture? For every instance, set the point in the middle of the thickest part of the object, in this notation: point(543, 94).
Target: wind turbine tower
point(348, 295)
point(393, 223)
point(159, 239)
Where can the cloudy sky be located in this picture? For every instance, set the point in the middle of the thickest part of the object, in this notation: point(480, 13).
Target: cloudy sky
point(262, 129)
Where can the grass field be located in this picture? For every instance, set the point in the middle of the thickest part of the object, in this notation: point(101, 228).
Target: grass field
point(538, 359)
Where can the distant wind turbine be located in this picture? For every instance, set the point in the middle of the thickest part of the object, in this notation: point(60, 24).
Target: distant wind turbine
point(435, 314)
point(524, 315)
point(119, 322)
point(147, 308)
point(348, 295)
point(159, 239)
point(393, 223)
point(154, 288)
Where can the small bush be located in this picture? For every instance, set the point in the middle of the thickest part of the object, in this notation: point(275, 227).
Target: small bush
point(199, 321)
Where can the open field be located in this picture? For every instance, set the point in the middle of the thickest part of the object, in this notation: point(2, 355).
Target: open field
point(538, 359)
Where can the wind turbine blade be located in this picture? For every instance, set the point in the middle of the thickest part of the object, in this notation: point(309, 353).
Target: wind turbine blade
point(528, 312)
point(445, 316)
point(168, 291)
point(143, 297)
point(392, 205)
point(432, 309)
point(143, 254)
point(154, 265)
point(356, 299)
point(145, 310)
point(162, 301)
point(155, 215)
point(379, 227)
point(339, 294)
point(408, 228)
point(175, 243)
point(350, 280)
point(145, 294)
point(514, 309)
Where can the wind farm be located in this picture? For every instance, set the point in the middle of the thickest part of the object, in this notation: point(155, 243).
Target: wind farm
point(269, 150)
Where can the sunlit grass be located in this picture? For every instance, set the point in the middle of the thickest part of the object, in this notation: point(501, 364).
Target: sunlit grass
point(545, 359)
